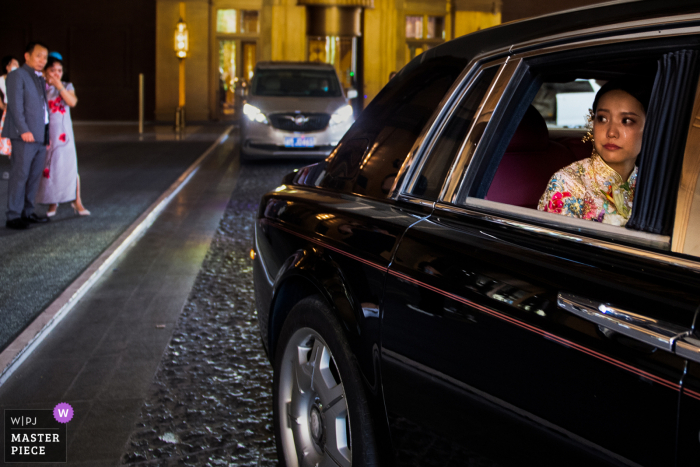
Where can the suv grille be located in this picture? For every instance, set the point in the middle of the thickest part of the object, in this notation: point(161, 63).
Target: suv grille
point(299, 121)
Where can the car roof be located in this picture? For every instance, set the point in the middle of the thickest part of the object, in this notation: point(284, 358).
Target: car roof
point(579, 19)
point(271, 65)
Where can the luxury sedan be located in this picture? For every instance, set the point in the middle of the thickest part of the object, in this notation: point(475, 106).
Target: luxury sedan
point(429, 294)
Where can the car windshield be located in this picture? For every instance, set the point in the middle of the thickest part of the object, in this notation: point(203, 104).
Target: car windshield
point(296, 83)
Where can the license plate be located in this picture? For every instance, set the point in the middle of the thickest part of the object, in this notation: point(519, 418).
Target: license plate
point(299, 141)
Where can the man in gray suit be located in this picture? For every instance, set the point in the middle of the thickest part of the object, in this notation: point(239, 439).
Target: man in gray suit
point(27, 125)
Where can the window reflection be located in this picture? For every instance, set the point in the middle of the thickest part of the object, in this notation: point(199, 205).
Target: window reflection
point(414, 27)
point(249, 22)
point(436, 27)
point(226, 21)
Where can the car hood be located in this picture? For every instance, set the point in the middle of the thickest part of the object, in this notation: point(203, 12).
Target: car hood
point(271, 105)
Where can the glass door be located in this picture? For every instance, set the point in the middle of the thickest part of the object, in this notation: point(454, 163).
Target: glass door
point(228, 78)
point(236, 56)
point(249, 59)
point(237, 61)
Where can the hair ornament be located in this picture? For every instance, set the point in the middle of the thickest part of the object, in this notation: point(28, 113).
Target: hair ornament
point(589, 126)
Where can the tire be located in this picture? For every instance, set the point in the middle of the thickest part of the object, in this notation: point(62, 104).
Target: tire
point(321, 414)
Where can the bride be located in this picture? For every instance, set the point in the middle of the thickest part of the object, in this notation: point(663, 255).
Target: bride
point(601, 187)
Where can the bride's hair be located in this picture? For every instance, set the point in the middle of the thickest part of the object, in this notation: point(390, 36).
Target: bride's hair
point(636, 86)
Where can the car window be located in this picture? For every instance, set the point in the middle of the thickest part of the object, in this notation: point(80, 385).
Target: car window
point(565, 105)
point(295, 83)
point(391, 125)
point(535, 132)
point(432, 174)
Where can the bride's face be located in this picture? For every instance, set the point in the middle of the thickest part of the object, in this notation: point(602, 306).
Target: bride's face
point(618, 127)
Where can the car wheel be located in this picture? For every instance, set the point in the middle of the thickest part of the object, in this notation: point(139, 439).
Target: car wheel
point(321, 414)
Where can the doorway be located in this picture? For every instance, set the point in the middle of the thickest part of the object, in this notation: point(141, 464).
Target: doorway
point(237, 59)
point(234, 56)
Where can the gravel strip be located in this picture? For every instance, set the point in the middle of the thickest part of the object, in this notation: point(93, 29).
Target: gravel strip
point(211, 398)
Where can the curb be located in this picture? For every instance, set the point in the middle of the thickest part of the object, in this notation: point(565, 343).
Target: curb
point(19, 349)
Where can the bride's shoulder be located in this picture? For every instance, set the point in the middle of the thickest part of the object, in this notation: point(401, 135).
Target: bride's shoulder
point(577, 169)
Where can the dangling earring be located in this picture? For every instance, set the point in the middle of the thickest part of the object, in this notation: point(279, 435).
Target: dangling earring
point(589, 126)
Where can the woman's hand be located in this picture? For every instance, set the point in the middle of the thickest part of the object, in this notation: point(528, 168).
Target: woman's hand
point(54, 81)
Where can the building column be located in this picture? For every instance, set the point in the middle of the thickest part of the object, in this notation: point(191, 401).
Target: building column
point(196, 64)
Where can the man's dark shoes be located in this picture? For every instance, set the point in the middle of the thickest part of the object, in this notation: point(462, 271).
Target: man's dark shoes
point(34, 219)
point(17, 224)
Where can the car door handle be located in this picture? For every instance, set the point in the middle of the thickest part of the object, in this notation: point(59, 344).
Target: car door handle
point(650, 331)
point(688, 347)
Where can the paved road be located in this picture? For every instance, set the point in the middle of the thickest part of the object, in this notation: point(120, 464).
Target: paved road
point(121, 176)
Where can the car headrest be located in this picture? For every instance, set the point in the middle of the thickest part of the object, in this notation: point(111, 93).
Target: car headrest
point(531, 134)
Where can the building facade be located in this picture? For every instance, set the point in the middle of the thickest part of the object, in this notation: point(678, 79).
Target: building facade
point(106, 45)
point(364, 39)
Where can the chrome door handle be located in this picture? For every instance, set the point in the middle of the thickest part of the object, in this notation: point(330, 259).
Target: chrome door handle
point(688, 347)
point(650, 331)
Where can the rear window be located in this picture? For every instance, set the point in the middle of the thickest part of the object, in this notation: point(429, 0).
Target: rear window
point(296, 83)
point(371, 154)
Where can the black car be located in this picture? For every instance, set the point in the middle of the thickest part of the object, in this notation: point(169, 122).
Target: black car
point(419, 310)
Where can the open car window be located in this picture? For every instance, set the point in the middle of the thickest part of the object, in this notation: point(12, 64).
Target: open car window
point(537, 128)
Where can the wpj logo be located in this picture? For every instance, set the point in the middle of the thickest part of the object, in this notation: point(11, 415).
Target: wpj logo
point(37, 435)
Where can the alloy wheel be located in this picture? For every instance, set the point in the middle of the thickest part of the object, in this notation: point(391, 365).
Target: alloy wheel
point(313, 411)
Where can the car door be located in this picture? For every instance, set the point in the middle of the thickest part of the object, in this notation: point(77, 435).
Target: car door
point(515, 336)
point(686, 242)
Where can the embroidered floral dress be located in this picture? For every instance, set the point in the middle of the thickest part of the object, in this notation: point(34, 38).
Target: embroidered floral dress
point(5, 144)
point(590, 189)
point(59, 183)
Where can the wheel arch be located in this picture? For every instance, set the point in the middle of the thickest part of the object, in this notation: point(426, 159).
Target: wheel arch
point(307, 273)
point(289, 291)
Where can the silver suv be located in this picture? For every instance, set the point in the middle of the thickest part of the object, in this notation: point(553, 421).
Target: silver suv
point(294, 109)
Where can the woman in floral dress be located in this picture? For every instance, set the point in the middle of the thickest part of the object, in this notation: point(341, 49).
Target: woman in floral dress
point(8, 64)
point(601, 187)
point(60, 183)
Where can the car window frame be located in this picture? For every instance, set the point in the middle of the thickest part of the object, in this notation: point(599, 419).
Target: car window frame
point(578, 230)
point(422, 148)
point(444, 118)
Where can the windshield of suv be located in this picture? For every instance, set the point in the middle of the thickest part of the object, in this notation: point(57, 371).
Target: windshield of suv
point(296, 83)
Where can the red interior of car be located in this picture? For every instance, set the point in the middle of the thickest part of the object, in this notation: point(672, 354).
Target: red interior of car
point(530, 160)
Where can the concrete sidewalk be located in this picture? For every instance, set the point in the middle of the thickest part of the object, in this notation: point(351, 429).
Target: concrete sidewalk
point(122, 173)
point(102, 357)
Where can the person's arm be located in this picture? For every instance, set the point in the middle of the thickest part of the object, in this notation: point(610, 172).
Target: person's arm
point(15, 100)
point(67, 93)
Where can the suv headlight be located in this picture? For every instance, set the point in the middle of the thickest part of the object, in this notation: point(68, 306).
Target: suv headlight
point(342, 115)
point(254, 114)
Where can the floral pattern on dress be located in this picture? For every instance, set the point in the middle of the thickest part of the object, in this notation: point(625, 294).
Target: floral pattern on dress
point(57, 105)
point(589, 189)
point(5, 144)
